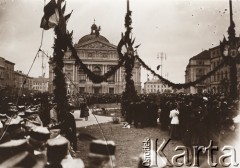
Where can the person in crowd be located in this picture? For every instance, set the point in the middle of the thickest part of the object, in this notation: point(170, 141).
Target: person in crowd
point(67, 126)
point(186, 120)
point(166, 107)
point(174, 115)
point(129, 112)
point(84, 110)
point(45, 110)
point(152, 109)
point(53, 115)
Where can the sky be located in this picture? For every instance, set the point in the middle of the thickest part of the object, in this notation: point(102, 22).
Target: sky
point(179, 28)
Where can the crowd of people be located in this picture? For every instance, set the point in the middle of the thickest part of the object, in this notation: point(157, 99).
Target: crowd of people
point(194, 119)
point(34, 118)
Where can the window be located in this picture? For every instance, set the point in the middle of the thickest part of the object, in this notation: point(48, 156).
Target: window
point(82, 78)
point(97, 70)
point(226, 74)
point(81, 89)
point(111, 79)
point(96, 90)
point(111, 90)
point(81, 75)
point(69, 76)
point(199, 62)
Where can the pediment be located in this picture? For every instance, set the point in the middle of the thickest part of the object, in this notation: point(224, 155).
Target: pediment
point(96, 45)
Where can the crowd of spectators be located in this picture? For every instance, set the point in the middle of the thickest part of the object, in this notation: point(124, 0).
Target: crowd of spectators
point(194, 119)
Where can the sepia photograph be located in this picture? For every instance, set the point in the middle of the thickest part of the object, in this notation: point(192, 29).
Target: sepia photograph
point(119, 83)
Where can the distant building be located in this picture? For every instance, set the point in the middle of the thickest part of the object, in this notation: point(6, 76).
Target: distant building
point(220, 81)
point(205, 62)
point(40, 84)
point(197, 67)
point(6, 74)
point(99, 55)
point(12, 81)
point(156, 86)
point(20, 77)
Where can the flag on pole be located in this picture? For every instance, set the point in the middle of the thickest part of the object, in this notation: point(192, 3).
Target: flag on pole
point(51, 16)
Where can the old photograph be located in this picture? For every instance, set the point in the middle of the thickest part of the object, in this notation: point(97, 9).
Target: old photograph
point(119, 83)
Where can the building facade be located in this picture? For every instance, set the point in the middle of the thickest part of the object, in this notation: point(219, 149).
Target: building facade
point(99, 55)
point(197, 67)
point(6, 74)
point(23, 81)
point(156, 86)
point(205, 62)
point(40, 84)
point(220, 81)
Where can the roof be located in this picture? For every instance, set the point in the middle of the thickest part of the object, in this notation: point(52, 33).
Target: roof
point(203, 55)
point(153, 81)
point(9, 62)
point(92, 37)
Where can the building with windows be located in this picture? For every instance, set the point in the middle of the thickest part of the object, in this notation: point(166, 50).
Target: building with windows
point(6, 74)
point(197, 67)
point(156, 86)
point(23, 81)
point(205, 62)
point(220, 81)
point(99, 55)
point(40, 84)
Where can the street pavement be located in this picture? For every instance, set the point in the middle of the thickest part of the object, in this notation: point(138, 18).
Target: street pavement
point(92, 119)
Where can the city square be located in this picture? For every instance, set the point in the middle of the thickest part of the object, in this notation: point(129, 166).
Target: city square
point(124, 84)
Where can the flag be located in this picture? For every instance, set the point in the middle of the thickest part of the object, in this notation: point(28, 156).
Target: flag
point(51, 17)
point(54, 19)
point(158, 67)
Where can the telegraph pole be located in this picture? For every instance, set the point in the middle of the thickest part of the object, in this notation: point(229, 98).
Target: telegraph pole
point(161, 56)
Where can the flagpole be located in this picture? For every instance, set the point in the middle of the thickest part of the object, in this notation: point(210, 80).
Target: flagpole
point(60, 46)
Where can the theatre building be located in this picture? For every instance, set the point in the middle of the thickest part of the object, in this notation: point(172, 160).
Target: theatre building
point(99, 55)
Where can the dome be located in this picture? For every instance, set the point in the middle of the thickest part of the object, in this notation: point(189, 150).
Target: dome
point(92, 37)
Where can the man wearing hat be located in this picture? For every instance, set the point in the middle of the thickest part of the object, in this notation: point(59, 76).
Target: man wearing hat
point(102, 154)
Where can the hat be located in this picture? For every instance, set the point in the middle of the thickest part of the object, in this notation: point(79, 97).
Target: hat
point(12, 147)
point(14, 121)
point(57, 149)
point(102, 147)
point(30, 111)
point(38, 137)
point(40, 133)
point(70, 163)
point(205, 98)
point(102, 152)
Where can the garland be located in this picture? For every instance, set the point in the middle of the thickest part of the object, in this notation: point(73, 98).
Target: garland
point(60, 46)
point(183, 85)
point(130, 94)
point(95, 78)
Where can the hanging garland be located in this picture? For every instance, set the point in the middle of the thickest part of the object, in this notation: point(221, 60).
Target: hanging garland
point(130, 94)
point(95, 78)
point(183, 85)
